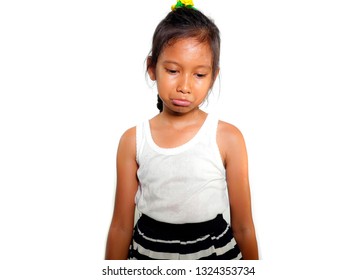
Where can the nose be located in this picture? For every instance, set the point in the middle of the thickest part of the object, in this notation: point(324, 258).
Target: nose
point(184, 85)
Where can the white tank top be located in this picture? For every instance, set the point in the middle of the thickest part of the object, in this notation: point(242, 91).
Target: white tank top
point(185, 184)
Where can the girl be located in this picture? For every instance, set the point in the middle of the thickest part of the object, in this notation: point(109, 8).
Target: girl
point(177, 166)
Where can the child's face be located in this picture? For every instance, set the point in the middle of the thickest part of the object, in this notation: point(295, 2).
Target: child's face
point(184, 75)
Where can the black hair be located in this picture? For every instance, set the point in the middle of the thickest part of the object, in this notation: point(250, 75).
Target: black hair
point(185, 23)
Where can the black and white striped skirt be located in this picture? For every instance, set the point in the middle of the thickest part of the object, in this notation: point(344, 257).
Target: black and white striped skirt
point(154, 240)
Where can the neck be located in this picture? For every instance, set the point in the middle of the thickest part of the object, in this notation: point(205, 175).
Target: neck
point(179, 120)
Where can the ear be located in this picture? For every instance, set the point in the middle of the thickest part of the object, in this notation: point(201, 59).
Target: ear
point(150, 69)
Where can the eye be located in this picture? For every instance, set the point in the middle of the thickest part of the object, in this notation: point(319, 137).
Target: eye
point(201, 75)
point(171, 71)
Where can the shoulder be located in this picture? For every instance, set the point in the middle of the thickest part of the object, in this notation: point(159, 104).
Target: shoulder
point(230, 140)
point(127, 143)
point(229, 133)
point(129, 135)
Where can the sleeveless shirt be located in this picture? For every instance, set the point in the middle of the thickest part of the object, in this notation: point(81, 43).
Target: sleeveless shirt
point(185, 184)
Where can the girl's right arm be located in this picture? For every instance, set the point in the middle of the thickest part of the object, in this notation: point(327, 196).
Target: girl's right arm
point(121, 228)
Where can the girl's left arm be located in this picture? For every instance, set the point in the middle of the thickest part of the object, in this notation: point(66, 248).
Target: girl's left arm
point(233, 150)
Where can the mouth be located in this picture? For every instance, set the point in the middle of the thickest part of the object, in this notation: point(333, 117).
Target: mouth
point(181, 102)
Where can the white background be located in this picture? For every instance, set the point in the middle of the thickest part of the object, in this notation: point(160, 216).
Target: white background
point(72, 80)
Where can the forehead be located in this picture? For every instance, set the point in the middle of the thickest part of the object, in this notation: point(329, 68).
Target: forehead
point(188, 50)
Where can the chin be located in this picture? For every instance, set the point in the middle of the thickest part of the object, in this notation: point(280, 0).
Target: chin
point(179, 110)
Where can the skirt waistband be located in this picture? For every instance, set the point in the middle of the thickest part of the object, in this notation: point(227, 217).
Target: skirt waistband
point(216, 225)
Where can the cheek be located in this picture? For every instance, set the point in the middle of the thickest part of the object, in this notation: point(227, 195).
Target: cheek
point(164, 86)
point(165, 81)
point(203, 85)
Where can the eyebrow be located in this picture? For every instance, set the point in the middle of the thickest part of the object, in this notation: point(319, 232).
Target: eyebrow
point(174, 62)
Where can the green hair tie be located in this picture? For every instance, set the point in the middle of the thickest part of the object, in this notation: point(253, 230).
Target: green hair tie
point(183, 3)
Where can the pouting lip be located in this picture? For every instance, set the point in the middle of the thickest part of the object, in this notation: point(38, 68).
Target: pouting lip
point(181, 102)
